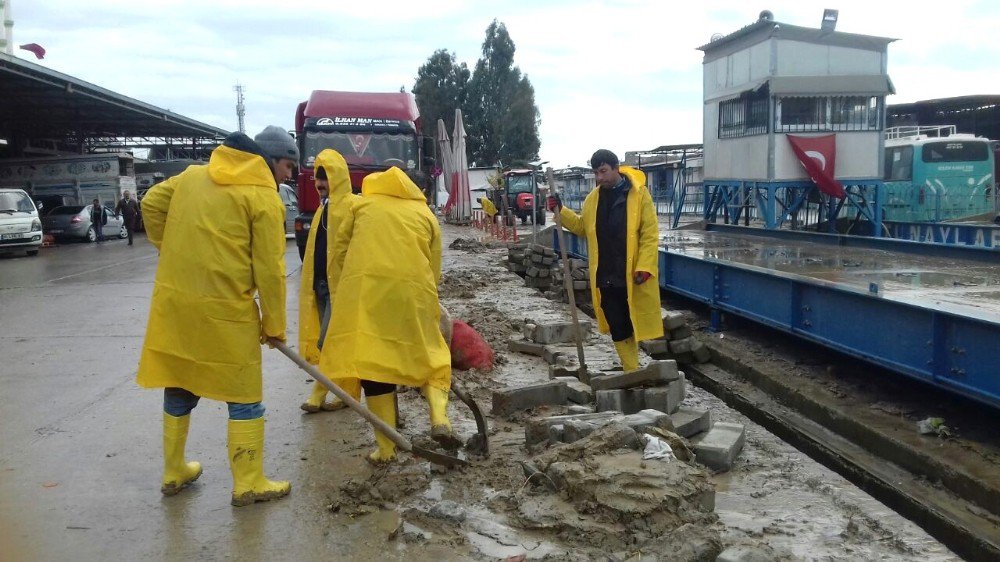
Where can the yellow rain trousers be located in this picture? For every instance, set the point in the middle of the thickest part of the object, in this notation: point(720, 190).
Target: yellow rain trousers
point(220, 230)
point(641, 255)
point(385, 311)
point(338, 208)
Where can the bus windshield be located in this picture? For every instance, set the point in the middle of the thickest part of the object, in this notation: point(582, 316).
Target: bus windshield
point(379, 150)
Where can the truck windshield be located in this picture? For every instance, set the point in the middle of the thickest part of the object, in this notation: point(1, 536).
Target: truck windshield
point(363, 149)
point(519, 184)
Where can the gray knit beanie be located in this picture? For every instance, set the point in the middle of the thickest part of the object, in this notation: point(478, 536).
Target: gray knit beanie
point(277, 143)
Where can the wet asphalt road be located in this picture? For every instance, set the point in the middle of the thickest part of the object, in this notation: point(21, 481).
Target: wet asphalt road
point(80, 449)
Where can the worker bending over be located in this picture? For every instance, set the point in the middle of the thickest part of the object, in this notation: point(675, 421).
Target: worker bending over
point(619, 223)
point(385, 306)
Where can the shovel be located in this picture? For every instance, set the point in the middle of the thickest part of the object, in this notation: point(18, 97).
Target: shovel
point(400, 441)
point(568, 280)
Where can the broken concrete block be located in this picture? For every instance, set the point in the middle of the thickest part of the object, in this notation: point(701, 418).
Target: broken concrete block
point(581, 274)
point(628, 401)
point(506, 402)
point(655, 347)
point(556, 371)
point(580, 409)
point(551, 354)
point(537, 430)
point(719, 446)
point(575, 264)
point(647, 418)
point(521, 345)
point(576, 391)
point(666, 398)
point(576, 430)
point(672, 320)
point(560, 332)
point(701, 352)
point(689, 422)
point(548, 260)
point(532, 272)
point(678, 347)
point(681, 333)
point(537, 258)
point(581, 285)
point(556, 434)
point(656, 373)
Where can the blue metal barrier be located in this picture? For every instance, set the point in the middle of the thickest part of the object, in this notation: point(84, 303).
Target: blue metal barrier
point(953, 351)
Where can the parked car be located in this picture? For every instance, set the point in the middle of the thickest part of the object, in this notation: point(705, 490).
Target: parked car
point(73, 222)
point(20, 227)
point(291, 202)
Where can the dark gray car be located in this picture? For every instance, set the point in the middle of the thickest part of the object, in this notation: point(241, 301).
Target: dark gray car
point(73, 222)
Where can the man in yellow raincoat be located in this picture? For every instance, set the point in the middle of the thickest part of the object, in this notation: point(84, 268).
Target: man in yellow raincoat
point(220, 232)
point(333, 181)
point(619, 223)
point(386, 330)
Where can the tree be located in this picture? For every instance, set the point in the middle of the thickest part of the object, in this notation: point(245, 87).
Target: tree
point(440, 89)
point(500, 111)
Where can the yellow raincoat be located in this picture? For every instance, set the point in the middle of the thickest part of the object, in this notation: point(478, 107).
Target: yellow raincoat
point(488, 207)
point(641, 248)
point(385, 315)
point(220, 232)
point(339, 206)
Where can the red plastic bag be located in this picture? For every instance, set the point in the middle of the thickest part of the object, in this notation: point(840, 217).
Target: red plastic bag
point(468, 349)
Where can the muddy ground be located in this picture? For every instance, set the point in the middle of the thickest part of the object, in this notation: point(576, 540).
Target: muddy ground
point(81, 458)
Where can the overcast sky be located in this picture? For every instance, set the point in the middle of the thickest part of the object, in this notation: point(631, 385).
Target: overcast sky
point(623, 75)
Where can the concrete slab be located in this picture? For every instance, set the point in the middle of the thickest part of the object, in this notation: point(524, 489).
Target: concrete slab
point(655, 373)
point(559, 332)
point(689, 422)
point(673, 320)
point(521, 345)
point(666, 398)
point(644, 419)
point(551, 393)
point(537, 430)
point(718, 447)
point(626, 401)
point(576, 391)
point(655, 347)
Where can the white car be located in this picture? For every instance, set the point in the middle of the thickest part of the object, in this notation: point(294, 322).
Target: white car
point(20, 227)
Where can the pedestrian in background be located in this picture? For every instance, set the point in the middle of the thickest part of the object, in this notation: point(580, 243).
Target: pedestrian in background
point(619, 223)
point(220, 230)
point(128, 208)
point(98, 218)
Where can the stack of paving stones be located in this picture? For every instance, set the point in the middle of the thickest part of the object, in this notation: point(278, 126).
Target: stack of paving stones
point(648, 399)
point(536, 263)
point(678, 342)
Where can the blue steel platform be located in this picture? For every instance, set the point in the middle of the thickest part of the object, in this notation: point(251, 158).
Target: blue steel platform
point(933, 317)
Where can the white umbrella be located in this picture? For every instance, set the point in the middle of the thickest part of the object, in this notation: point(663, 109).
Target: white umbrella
point(446, 156)
point(460, 185)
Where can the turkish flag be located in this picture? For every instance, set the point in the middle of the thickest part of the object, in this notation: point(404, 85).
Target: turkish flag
point(818, 155)
point(35, 48)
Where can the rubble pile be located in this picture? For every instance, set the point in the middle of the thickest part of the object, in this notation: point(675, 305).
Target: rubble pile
point(647, 400)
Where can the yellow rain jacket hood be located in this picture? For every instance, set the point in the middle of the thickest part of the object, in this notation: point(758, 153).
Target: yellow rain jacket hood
point(220, 232)
point(642, 249)
point(339, 206)
point(385, 315)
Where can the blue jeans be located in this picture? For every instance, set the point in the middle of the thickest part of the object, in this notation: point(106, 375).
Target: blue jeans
point(178, 402)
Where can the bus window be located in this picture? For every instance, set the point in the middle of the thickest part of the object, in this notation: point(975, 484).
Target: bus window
point(899, 163)
point(955, 151)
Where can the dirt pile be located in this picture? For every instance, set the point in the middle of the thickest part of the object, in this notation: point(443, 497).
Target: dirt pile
point(463, 284)
point(383, 488)
point(468, 245)
point(610, 498)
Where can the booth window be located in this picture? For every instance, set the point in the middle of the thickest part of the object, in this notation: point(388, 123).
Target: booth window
point(744, 115)
point(800, 114)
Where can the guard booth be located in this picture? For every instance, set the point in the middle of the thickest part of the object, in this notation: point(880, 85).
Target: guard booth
point(770, 83)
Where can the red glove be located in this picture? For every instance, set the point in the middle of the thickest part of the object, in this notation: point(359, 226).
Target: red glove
point(641, 277)
point(554, 203)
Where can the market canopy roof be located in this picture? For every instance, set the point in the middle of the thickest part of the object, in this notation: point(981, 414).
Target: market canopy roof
point(41, 103)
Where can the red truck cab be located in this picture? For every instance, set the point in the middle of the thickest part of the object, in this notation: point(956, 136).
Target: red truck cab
point(373, 131)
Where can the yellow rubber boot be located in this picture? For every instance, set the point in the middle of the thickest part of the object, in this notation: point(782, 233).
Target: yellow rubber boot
point(315, 402)
point(628, 352)
point(441, 431)
point(246, 459)
point(383, 406)
point(176, 473)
